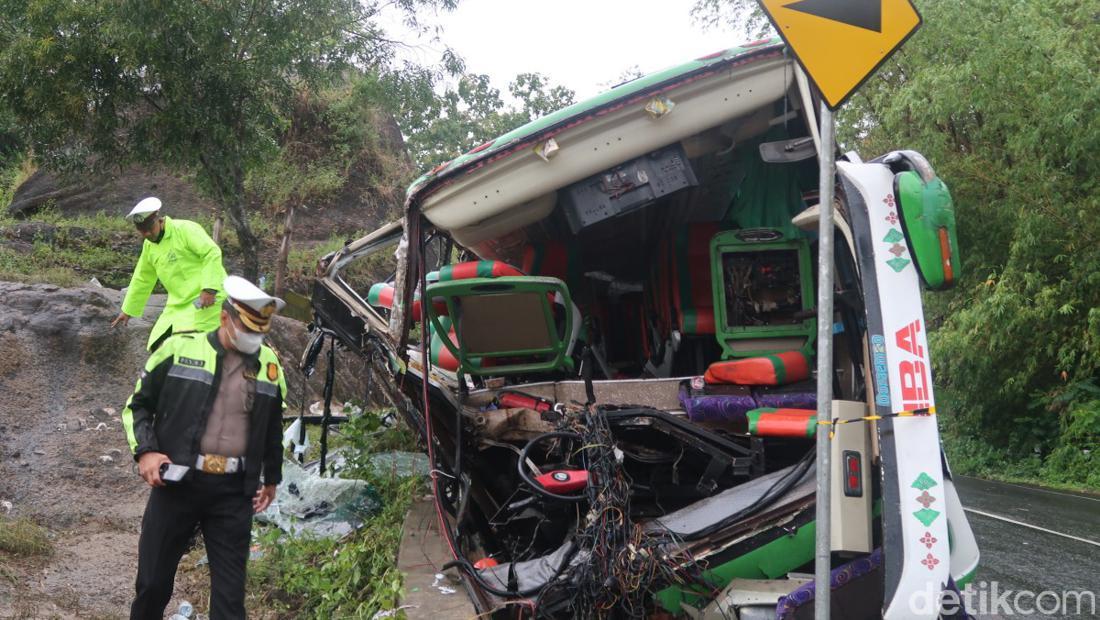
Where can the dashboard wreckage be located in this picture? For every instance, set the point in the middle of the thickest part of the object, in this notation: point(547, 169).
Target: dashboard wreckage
point(602, 325)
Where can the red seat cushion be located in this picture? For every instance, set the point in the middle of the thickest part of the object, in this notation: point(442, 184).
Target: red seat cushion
point(477, 269)
point(381, 295)
point(777, 369)
point(768, 422)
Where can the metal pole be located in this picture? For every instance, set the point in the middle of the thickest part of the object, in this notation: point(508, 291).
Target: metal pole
point(824, 363)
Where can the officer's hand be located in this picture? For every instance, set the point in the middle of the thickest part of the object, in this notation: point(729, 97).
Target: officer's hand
point(206, 299)
point(149, 467)
point(121, 319)
point(263, 498)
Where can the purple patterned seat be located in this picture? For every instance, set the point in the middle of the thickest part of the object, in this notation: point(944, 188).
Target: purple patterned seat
point(730, 406)
point(801, 395)
point(799, 604)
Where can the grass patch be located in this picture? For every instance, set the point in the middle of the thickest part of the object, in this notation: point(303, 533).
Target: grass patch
point(972, 457)
point(12, 177)
point(67, 265)
point(353, 577)
point(101, 221)
point(24, 537)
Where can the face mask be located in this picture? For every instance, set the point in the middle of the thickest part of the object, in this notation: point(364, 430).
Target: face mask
point(245, 342)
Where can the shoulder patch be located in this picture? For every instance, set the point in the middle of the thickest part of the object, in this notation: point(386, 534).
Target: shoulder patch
point(188, 361)
point(272, 372)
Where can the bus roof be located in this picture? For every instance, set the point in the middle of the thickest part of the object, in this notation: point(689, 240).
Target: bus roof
point(579, 112)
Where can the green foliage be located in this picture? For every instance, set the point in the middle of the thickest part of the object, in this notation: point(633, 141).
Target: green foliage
point(440, 128)
point(997, 96)
point(69, 251)
point(13, 171)
point(1004, 100)
point(206, 86)
point(351, 578)
point(336, 135)
point(740, 15)
point(360, 274)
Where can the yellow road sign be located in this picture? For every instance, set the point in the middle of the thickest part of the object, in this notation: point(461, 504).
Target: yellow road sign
point(840, 43)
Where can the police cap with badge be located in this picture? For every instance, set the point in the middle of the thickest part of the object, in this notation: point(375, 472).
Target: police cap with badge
point(254, 307)
point(144, 212)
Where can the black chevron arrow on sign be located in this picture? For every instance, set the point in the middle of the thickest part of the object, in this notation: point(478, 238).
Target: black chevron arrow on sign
point(859, 13)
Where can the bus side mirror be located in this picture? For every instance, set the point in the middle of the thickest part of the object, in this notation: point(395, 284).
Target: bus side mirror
point(928, 221)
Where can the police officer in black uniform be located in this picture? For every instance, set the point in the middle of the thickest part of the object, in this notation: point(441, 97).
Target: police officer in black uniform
point(204, 424)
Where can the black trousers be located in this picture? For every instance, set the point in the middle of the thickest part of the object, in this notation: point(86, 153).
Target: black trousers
point(218, 506)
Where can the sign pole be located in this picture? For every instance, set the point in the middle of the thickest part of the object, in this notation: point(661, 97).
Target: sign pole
point(823, 556)
point(839, 44)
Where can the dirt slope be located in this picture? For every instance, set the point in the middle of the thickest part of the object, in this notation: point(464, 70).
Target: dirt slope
point(64, 463)
point(63, 457)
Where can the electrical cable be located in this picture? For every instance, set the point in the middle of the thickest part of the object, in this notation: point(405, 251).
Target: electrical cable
point(444, 528)
point(535, 486)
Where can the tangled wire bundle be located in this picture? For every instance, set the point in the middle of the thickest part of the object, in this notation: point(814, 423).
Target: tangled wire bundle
point(625, 563)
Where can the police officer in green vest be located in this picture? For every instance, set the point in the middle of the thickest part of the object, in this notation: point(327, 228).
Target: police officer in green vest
point(205, 426)
point(187, 262)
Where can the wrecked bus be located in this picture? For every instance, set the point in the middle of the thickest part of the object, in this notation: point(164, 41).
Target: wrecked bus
point(602, 325)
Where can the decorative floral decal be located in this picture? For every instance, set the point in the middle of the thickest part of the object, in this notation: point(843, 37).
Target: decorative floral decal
point(930, 561)
point(893, 236)
point(892, 218)
point(897, 264)
point(928, 540)
point(924, 482)
point(926, 516)
point(889, 200)
point(897, 249)
point(925, 499)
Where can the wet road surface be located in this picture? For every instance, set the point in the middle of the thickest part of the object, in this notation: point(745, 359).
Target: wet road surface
point(1034, 540)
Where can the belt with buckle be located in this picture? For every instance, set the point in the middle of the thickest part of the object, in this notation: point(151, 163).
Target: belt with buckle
point(218, 464)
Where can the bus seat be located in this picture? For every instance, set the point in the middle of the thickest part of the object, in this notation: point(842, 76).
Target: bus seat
point(380, 295)
point(764, 284)
point(777, 369)
point(513, 324)
point(691, 273)
point(554, 259)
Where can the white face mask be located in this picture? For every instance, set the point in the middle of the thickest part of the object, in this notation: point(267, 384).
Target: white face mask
point(245, 342)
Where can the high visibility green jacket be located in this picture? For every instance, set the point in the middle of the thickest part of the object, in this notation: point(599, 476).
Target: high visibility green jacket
point(186, 261)
point(175, 393)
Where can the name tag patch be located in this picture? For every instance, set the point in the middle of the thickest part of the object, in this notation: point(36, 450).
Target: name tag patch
point(187, 361)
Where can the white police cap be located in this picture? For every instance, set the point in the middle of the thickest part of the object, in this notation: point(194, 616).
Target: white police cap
point(254, 307)
point(144, 209)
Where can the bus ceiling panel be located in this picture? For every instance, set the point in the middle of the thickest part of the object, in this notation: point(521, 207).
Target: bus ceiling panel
point(604, 141)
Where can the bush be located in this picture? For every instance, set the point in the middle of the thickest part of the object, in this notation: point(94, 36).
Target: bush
point(1073, 462)
point(351, 578)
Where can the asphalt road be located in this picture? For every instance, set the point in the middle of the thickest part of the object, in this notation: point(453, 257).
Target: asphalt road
point(1033, 541)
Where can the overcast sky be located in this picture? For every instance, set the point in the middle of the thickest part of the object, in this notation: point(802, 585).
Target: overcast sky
point(582, 44)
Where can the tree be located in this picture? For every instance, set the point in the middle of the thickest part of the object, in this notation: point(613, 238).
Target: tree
point(441, 127)
point(202, 86)
point(1004, 100)
point(743, 16)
